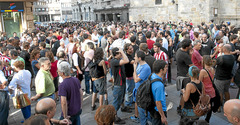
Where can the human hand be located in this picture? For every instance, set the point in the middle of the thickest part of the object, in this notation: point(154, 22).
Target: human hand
point(191, 51)
point(80, 72)
point(164, 120)
point(33, 98)
point(135, 65)
point(183, 90)
point(65, 121)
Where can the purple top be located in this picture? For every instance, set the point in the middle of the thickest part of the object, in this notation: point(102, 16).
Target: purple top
point(70, 87)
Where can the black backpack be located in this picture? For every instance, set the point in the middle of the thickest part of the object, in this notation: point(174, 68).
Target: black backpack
point(93, 69)
point(144, 96)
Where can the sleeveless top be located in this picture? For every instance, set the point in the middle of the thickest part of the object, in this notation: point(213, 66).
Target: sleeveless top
point(193, 96)
point(100, 71)
point(209, 90)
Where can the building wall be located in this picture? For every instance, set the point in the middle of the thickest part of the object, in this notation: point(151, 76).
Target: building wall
point(196, 10)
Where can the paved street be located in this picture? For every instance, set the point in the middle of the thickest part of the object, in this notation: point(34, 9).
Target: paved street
point(87, 116)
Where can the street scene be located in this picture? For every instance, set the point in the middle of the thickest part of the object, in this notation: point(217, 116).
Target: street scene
point(110, 62)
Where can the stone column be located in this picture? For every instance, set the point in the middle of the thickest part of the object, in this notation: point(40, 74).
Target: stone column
point(99, 17)
point(106, 17)
point(28, 16)
point(114, 17)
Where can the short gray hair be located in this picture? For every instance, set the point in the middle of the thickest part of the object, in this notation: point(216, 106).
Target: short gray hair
point(42, 60)
point(196, 42)
point(64, 67)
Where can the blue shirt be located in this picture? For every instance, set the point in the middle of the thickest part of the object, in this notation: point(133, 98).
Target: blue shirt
point(99, 40)
point(143, 72)
point(158, 91)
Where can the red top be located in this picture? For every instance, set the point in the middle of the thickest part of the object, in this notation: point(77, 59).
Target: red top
point(150, 43)
point(208, 85)
point(59, 37)
point(53, 69)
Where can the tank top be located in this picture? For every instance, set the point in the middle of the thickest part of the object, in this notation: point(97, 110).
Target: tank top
point(193, 96)
point(209, 90)
point(100, 71)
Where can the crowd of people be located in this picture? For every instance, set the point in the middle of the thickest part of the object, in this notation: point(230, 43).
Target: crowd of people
point(54, 60)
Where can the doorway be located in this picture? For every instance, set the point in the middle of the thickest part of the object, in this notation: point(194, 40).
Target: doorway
point(12, 22)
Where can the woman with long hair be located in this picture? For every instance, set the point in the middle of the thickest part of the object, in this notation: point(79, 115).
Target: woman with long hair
point(77, 62)
point(100, 78)
point(34, 58)
point(53, 71)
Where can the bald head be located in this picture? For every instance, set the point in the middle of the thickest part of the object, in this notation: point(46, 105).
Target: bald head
point(232, 111)
point(227, 48)
point(44, 106)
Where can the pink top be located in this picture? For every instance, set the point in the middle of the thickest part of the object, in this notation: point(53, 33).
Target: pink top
point(196, 59)
point(208, 85)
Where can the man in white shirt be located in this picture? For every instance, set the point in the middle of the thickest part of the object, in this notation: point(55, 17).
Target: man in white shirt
point(95, 36)
point(120, 41)
point(84, 44)
point(165, 42)
point(64, 39)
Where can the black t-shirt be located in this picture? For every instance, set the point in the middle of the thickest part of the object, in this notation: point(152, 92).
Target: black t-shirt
point(206, 48)
point(26, 56)
point(183, 61)
point(118, 72)
point(224, 67)
point(135, 48)
point(233, 49)
point(150, 60)
point(33, 47)
point(10, 47)
point(177, 36)
point(55, 47)
point(129, 67)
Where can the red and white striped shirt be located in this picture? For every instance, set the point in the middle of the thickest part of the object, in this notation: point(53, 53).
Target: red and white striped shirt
point(161, 56)
point(5, 60)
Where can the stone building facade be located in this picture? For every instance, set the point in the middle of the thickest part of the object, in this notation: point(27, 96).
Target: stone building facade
point(16, 16)
point(176, 10)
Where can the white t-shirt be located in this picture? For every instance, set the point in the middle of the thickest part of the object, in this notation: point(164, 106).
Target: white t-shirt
point(165, 43)
point(23, 79)
point(118, 43)
point(66, 41)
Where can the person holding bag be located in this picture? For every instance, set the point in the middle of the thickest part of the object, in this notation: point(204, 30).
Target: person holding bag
point(206, 76)
point(22, 80)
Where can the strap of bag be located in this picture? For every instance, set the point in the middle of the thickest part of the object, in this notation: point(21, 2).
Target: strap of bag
point(198, 92)
point(209, 75)
point(83, 69)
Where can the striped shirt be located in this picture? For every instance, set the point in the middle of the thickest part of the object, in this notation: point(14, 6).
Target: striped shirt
point(5, 61)
point(161, 56)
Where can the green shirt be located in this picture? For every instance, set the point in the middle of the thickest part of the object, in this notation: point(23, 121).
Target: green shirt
point(44, 83)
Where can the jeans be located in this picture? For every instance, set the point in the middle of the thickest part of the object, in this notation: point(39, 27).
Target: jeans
point(4, 107)
point(87, 79)
point(26, 111)
point(75, 119)
point(129, 92)
point(142, 116)
point(118, 96)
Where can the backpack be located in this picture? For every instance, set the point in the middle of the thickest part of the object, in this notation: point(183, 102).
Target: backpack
point(144, 96)
point(93, 69)
point(203, 106)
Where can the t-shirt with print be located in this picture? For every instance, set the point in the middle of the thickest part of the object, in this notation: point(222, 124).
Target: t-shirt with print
point(183, 61)
point(70, 88)
point(118, 72)
point(206, 48)
point(196, 59)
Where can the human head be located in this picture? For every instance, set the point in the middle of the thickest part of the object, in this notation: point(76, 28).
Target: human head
point(64, 69)
point(46, 106)
point(50, 56)
point(197, 44)
point(44, 63)
point(234, 38)
point(128, 48)
point(19, 65)
point(85, 36)
point(232, 111)
point(122, 34)
point(42, 45)
point(187, 44)
point(167, 33)
point(90, 45)
point(4, 50)
point(133, 39)
point(54, 38)
point(148, 35)
point(159, 40)
point(13, 54)
point(35, 41)
point(105, 115)
point(144, 47)
point(204, 37)
point(207, 60)
point(140, 35)
point(227, 48)
point(116, 53)
point(35, 54)
point(61, 54)
point(39, 119)
point(62, 44)
point(160, 67)
point(156, 47)
point(98, 54)
point(139, 56)
point(26, 45)
point(193, 72)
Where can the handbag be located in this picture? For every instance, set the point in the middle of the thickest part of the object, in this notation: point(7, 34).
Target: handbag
point(203, 106)
point(217, 98)
point(20, 100)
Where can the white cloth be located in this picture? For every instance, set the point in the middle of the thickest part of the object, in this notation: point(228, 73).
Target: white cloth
point(23, 79)
point(75, 60)
point(165, 43)
point(60, 49)
point(95, 38)
point(118, 43)
point(66, 41)
point(127, 41)
point(3, 79)
point(84, 44)
point(225, 39)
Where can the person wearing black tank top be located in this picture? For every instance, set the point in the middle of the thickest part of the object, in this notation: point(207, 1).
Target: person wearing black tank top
point(191, 95)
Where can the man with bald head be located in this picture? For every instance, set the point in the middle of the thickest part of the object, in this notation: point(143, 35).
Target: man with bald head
point(47, 106)
point(232, 111)
point(223, 74)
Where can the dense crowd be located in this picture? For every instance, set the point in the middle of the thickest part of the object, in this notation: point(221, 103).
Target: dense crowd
point(54, 60)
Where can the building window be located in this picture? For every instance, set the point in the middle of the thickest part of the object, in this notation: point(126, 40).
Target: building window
point(158, 2)
point(108, 2)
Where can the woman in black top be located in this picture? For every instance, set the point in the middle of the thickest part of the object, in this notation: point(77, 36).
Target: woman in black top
point(99, 78)
point(190, 94)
